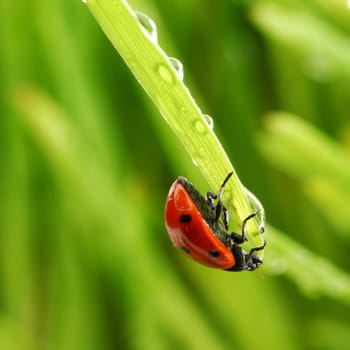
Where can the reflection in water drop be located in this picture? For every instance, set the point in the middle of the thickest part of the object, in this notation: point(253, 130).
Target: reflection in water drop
point(178, 66)
point(166, 73)
point(148, 26)
point(200, 126)
point(209, 120)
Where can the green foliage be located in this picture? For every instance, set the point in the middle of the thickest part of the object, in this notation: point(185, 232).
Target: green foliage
point(87, 160)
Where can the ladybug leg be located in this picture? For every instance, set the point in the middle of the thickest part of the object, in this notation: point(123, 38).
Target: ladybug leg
point(210, 199)
point(224, 216)
point(252, 261)
point(220, 210)
point(240, 238)
point(228, 241)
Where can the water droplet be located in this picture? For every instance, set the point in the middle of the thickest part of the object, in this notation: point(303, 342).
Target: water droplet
point(198, 159)
point(148, 26)
point(164, 117)
point(84, 1)
point(184, 110)
point(178, 66)
point(209, 120)
point(256, 205)
point(166, 73)
point(200, 126)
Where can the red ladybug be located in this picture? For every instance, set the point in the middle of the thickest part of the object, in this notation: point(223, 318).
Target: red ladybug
point(194, 226)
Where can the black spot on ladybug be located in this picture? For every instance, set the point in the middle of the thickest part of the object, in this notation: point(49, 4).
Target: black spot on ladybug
point(213, 253)
point(185, 218)
point(185, 250)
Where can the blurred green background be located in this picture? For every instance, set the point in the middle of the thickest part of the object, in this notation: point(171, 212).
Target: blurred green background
point(86, 163)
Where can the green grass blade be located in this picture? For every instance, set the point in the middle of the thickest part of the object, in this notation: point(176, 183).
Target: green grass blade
point(314, 274)
point(153, 70)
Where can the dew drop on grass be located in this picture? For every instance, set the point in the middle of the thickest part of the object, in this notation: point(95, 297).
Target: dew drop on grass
point(148, 26)
point(166, 73)
point(255, 205)
point(164, 117)
point(199, 125)
point(198, 159)
point(209, 120)
point(183, 110)
point(178, 66)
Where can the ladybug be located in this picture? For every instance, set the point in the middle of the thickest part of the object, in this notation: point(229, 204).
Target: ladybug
point(199, 229)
